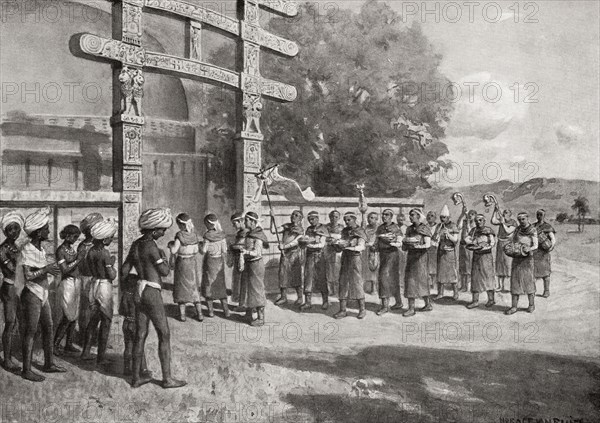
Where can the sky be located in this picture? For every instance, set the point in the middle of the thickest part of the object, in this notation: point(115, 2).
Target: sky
point(527, 74)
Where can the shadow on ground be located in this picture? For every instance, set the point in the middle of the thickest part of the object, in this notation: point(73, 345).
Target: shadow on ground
point(434, 385)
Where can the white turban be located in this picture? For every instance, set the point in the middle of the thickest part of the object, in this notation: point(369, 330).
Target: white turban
point(104, 229)
point(37, 220)
point(12, 217)
point(90, 220)
point(445, 212)
point(160, 218)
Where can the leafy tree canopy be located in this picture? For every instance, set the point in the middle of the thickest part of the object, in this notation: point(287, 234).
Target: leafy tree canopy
point(367, 109)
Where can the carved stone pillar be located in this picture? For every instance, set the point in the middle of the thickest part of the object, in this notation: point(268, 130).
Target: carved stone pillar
point(127, 173)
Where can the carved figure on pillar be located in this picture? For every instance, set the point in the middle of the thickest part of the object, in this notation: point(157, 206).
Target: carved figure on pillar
point(196, 50)
point(132, 91)
point(252, 110)
point(138, 91)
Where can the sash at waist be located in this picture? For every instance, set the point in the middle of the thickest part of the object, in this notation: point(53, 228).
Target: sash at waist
point(142, 284)
point(9, 281)
point(38, 290)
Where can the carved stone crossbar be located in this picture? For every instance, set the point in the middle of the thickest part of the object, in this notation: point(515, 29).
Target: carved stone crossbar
point(137, 56)
point(128, 122)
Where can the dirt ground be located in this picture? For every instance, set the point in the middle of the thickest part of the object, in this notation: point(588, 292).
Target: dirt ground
point(449, 365)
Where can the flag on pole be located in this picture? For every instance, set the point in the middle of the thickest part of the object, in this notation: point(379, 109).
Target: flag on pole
point(287, 187)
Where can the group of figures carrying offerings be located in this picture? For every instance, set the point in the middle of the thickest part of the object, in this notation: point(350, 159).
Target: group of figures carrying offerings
point(330, 259)
point(411, 259)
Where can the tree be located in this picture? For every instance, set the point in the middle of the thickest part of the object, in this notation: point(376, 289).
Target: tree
point(369, 108)
point(561, 217)
point(582, 208)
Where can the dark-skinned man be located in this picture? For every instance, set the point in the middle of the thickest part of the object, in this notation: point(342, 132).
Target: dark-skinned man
point(12, 223)
point(34, 298)
point(151, 265)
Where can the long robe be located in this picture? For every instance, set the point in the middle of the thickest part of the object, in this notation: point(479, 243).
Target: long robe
point(483, 275)
point(432, 254)
point(446, 256)
point(503, 262)
point(542, 265)
point(236, 273)
point(187, 274)
point(522, 279)
point(291, 260)
point(351, 281)
point(315, 277)
point(389, 261)
point(416, 277)
point(253, 276)
point(213, 270)
point(333, 258)
point(368, 255)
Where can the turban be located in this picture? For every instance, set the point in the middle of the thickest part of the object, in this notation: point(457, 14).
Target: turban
point(313, 214)
point(12, 217)
point(37, 220)
point(104, 229)
point(388, 211)
point(90, 220)
point(445, 212)
point(156, 219)
point(350, 214)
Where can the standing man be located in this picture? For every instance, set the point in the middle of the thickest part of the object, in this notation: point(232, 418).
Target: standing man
point(370, 255)
point(351, 287)
point(446, 236)
point(291, 260)
point(236, 260)
point(506, 227)
point(541, 257)
point(432, 251)
point(466, 222)
point(101, 264)
point(151, 265)
point(333, 257)
point(522, 278)
point(12, 223)
point(253, 276)
point(481, 241)
point(84, 271)
point(401, 265)
point(314, 268)
point(34, 298)
point(386, 244)
point(416, 277)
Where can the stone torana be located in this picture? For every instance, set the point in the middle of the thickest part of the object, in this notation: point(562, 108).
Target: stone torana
point(131, 60)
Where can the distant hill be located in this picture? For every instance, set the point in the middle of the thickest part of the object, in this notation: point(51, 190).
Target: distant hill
point(555, 195)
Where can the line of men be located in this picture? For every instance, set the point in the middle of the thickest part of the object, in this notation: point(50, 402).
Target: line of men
point(333, 258)
point(85, 291)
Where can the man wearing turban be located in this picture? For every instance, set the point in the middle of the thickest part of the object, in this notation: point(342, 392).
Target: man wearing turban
point(12, 223)
point(84, 271)
point(34, 298)
point(151, 265)
point(101, 265)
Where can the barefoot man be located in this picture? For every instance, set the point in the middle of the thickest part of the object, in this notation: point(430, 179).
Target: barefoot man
point(12, 223)
point(151, 265)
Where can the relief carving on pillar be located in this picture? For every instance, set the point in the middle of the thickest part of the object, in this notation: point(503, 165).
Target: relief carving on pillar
point(132, 179)
point(252, 155)
point(251, 12)
point(196, 41)
point(132, 24)
point(251, 59)
point(252, 105)
point(131, 214)
point(132, 135)
point(132, 91)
